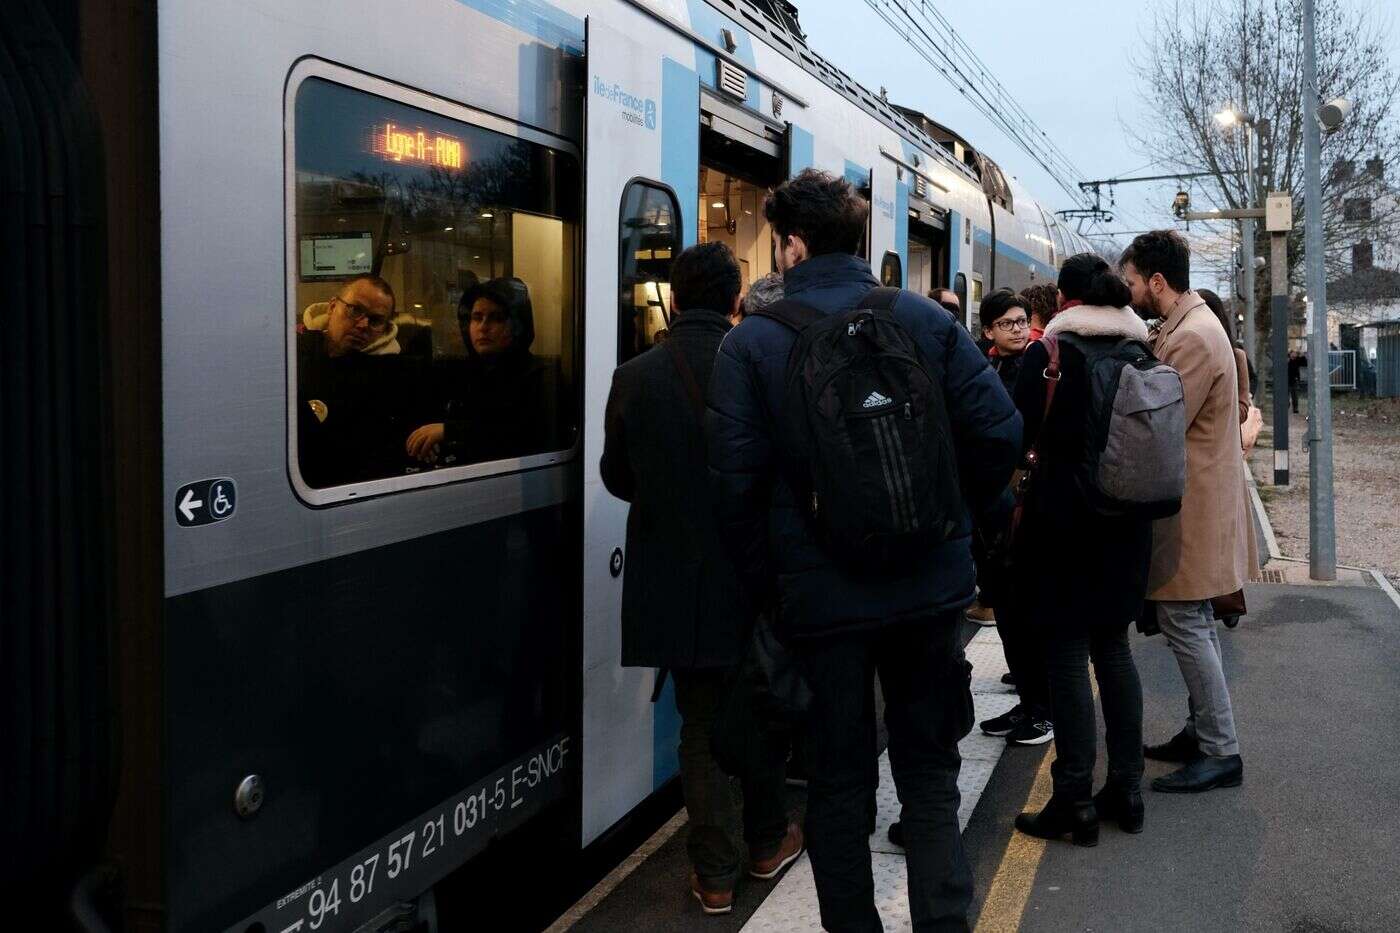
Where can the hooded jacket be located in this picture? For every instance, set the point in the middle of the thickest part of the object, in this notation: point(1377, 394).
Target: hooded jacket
point(779, 558)
point(318, 314)
point(506, 404)
point(1075, 569)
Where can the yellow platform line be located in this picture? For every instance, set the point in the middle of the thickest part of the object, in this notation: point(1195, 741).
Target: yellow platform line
point(1010, 890)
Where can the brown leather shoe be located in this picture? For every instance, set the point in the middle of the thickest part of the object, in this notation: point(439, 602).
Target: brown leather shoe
point(768, 868)
point(982, 615)
point(711, 902)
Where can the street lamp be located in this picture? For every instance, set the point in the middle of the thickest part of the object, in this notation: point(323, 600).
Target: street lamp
point(1227, 119)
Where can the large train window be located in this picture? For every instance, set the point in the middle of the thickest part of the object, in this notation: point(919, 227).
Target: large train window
point(649, 240)
point(432, 306)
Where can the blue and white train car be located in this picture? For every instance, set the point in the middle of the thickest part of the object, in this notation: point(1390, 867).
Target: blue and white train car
point(342, 687)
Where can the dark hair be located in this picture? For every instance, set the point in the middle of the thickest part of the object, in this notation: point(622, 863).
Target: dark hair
point(383, 287)
point(1089, 278)
point(821, 208)
point(705, 276)
point(1164, 251)
point(1217, 306)
point(1040, 301)
point(510, 295)
point(996, 304)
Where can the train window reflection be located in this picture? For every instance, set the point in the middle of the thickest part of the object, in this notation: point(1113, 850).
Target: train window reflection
point(434, 301)
point(649, 240)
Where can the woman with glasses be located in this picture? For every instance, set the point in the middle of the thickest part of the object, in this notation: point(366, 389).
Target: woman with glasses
point(1082, 574)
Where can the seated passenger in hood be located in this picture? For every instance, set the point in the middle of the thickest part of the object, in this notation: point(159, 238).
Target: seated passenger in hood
point(504, 399)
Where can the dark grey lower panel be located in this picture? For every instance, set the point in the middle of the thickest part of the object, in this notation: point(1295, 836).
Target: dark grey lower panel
point(364, 691)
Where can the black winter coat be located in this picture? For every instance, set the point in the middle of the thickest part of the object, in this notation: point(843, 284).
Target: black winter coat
point(1072, 569)
point(682, 606)
point(353, 413)
point(500, 408)
point(779, 558)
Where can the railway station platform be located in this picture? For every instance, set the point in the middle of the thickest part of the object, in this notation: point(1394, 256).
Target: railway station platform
point(1309, 842)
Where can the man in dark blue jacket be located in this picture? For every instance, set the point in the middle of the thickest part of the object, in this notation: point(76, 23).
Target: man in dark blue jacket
point(843, 627)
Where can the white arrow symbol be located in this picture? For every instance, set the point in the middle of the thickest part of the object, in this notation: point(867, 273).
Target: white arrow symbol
point(189, 504)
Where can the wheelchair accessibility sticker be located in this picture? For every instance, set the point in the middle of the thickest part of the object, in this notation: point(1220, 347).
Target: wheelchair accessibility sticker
point(205, 502)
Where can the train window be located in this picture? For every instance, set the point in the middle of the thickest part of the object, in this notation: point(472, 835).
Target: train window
point(960, 289)
point(890, 272)
point(650, 238)
point(432, 295)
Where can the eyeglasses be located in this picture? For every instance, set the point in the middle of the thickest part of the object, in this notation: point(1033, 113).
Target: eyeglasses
point(1013, 325)
point(361, 313)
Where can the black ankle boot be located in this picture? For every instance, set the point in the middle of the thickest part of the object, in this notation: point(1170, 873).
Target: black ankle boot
point(1077, 818)
point(1118, 803)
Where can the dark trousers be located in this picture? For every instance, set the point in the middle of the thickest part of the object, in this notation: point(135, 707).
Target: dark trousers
point(928, 708)
point(726, 812)
point(1120, 692)
point(1024, 645)
point(1293, 395)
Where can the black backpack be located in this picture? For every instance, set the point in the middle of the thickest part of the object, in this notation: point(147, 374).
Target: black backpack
point(1133, 464)
point(865, 436)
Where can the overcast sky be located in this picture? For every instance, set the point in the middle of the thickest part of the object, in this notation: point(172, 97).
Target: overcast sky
point(1068, 63)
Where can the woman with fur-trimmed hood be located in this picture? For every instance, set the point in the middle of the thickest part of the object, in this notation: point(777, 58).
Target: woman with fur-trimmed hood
point(1082, 575)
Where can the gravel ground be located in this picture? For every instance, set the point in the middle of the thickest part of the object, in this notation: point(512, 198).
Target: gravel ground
point(1366, 463)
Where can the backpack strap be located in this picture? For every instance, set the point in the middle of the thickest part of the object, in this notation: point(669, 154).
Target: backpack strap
point(692, 385)
point(881, 298)
point(793, 315)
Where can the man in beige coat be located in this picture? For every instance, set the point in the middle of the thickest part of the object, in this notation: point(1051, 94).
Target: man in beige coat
point(1202, 552)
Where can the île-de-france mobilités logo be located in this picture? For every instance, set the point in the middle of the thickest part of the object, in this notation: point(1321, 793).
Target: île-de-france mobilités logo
point(634, 109)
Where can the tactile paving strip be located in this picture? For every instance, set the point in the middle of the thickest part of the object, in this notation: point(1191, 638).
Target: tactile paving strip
point(793, 904)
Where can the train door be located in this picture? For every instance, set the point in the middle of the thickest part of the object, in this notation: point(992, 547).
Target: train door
point(928, 252)
point(741, 157)
point(640, 162)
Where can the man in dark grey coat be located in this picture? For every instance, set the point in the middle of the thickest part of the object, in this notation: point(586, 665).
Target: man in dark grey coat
point(682, 606)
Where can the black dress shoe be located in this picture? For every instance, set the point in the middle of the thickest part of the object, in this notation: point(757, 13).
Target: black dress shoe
point(1125, 806)
point(1077, 818)
point(1180, 748)
point(1206, 774)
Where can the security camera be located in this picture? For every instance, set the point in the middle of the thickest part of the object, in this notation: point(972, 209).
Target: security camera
point(1332, 113)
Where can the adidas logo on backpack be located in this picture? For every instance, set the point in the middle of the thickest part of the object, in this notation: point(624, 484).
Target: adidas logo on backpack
point(875, 400)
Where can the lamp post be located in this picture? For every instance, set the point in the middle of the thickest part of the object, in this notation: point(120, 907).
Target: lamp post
point(1226, 119)
point(1322, 531)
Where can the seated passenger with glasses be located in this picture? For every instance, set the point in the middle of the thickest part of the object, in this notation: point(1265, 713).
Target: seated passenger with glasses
point(503, 401)
point(352, 387)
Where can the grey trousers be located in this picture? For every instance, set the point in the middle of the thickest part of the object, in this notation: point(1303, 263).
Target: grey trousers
point(1191, 631)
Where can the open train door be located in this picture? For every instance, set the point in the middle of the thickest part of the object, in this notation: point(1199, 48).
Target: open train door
point(641, 157)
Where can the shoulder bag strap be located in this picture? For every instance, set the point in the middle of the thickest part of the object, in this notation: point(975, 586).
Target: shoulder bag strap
point(791, 314)
point(692, 385)
point(880, 298)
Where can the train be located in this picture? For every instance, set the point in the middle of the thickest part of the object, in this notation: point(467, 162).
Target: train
point(260, 696)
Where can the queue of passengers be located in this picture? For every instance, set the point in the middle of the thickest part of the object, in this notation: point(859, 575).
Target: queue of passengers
point(806, 484)
point(368, 411)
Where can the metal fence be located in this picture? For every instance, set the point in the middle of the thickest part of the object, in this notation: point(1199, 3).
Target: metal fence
point(1341, 369)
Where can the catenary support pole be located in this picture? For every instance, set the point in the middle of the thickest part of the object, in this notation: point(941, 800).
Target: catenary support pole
point(1278, 309)
point(1247, 284)
point(1322, 533)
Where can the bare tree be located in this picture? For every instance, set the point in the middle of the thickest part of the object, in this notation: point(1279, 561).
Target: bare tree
point(1203, 56)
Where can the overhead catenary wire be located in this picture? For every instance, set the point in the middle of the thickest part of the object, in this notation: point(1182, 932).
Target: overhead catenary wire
point(930, 34)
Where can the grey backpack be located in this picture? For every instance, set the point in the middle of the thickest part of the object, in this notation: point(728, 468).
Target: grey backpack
point(1133, 463)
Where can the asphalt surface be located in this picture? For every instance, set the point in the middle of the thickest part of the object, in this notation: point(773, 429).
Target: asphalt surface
point(1309, 844)
point(1311, 841)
